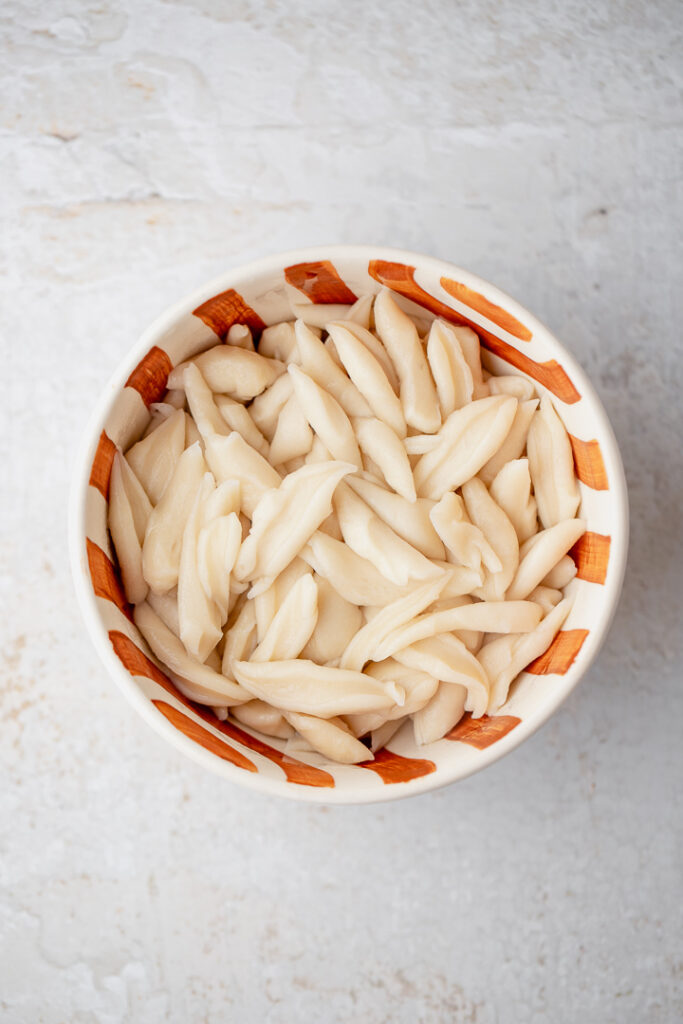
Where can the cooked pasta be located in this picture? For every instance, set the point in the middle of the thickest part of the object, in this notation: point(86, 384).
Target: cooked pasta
point(346, 525)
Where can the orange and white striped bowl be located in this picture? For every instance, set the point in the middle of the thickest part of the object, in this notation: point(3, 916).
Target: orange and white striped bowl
point(255, 295)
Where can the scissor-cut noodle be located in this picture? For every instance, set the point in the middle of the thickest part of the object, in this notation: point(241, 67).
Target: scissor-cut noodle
point(546, 597)
point(519, 387)
point(550, 546)
point(419, 686)
point(380, 737)
point(129, 512)
point(293, 436)
point(499, 532)
point(511, 490)
point(552, 466)
point(218, 543)
point(263, 718)
point(371, 538)
point(354, 577)
point(401, 340)
point(326, 417)
point(465, 541)
point(159, 413)
point(447, 659)
point(341, 533)
point(467, 440)
point(203, 408)
point(395, 615)
point(293, 623)
point(409, 519)
point(240, 637)
point(482, 617)
point(284, 520)
point(239, 335)
point(198, 614)
point(316, 689)
point(267, 603)
point(231, 458)
point(369, 377)
point(361, 311)
point(330, 737)
point(504, 658)
point(469, 344)
point(238, 418)
point(314, 314)
point(338, 622)
point(450, 369)
point(513, 445)
point(202, 682)
point(266, 408)
point(164, 533)
point(379, 441)
point(192, 435)
point(154, 459)
point(317, 362)
point(166, 607)
point(232, 371)
point(279, 342)
point(373, 345)
point(562, 574)
point(444, 710)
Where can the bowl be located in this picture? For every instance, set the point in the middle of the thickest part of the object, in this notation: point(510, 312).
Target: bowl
point(255, 295)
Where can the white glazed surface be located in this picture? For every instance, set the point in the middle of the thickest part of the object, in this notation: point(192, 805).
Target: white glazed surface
point(539, 145)
point(533, 699)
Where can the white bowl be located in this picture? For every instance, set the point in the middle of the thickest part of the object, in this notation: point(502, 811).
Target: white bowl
point(255, 293)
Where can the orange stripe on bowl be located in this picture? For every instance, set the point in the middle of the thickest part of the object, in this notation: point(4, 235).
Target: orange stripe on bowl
point(100, 472)
point(561, 654)
point(222, 311)
point(589, 464)
point(591, 554)
point(550, 374)
point(320, 281)
point(482, 732)
point(150, 375)
point(295, 771)
point(393, 768)
point(400, 278)
point(479, 302)
point(105, 578)
point(203, 737)
point(138, 664)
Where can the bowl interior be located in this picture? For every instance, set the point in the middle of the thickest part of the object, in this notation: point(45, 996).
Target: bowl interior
point(516, 343)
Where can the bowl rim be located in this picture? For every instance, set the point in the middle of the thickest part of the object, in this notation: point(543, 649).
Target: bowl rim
point(343, 792)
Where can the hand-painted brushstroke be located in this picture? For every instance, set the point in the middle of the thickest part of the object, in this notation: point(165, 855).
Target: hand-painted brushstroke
point(393, 768)
point(589, 464)
point(320, 282)
point(400, 278)
point(222, 311)
point(561, 654)
point(203, 737)
point(591, 554)
point(105, 578)
point(295, 771)
point(496, 314)
point(138, 664)
point(101, 465)
point(482, 732)
point(150, 375)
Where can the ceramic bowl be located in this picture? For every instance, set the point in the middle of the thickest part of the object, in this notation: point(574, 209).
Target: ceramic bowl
point(255, 294)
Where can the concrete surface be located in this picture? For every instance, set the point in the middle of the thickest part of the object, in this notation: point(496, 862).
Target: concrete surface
point(147, 146)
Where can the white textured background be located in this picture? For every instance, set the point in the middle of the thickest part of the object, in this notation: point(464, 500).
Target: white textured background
point(146, 146)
